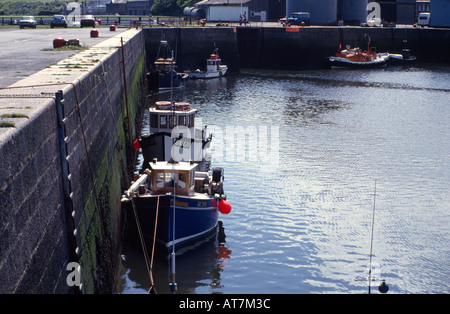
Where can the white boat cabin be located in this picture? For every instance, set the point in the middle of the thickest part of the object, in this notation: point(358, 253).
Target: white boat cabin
point(213, 63)
point(164, 119)
point(168, 177)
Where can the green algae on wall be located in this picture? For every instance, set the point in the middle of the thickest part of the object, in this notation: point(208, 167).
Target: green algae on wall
point(99, 222)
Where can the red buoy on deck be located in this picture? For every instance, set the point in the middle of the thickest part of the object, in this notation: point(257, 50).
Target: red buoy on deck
point(112, 28)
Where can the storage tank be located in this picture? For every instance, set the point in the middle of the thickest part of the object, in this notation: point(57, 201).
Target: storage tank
point(323, 12)
point(353, 12)
point(440, 11)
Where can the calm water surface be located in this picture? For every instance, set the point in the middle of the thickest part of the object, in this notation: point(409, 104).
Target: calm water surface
point(302, 223)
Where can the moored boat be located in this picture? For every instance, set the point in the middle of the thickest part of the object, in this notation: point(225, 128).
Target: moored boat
point(404, 58)
point(214, 68)
point(358, 58)
point(164, 74)
point(177, 201)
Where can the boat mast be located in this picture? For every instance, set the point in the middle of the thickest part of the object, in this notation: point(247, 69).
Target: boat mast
point(173, 283)
point(371, 239)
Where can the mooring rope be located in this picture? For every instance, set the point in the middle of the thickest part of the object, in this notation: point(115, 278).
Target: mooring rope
point(152, 287)
point(141, 238)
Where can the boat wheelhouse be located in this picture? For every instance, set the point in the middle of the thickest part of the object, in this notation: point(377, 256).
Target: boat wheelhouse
point(174, 135)
point(164, 75)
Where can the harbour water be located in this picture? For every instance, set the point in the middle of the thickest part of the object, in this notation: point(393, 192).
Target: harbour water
point(302, 217)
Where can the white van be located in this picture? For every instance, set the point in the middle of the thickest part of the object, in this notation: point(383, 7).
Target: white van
point(423, 19)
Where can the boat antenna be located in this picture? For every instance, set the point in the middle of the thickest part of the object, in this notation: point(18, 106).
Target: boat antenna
point(371, 238)
point(173, 283)
point(383, 287)
point(171, 81)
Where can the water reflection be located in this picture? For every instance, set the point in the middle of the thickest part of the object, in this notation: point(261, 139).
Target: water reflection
point(304, 226)
point(198, 267)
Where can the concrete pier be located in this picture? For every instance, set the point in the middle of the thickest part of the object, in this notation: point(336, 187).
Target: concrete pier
point(38, 237)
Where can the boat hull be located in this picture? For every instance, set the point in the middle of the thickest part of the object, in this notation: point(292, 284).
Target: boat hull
point(399, 59)
point(162, 80)
point(343, 63)
point(207, 75)
point(196, 217)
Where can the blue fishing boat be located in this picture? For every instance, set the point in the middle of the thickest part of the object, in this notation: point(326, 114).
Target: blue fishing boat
point(164, 75)
point(174, 204)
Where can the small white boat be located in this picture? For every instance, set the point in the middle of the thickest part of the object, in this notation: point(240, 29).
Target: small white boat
point(403, 58)
point(214, 68)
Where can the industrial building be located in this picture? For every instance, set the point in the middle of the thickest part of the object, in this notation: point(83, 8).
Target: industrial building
point(324, 12)
point(242, 10)
point(328, 12)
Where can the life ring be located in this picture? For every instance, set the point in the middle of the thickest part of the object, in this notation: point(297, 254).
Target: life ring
point(181, 106)
point(163, 105)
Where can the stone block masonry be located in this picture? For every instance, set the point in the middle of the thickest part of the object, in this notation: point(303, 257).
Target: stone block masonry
point(36, 237)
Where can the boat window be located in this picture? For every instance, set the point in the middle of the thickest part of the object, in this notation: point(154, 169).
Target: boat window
point(172, 121)
point(163, 121)
point(165, 179)
point(154, 121)
point(182, 180)
point(191, 121)
point(182, 120)
point(159, 179)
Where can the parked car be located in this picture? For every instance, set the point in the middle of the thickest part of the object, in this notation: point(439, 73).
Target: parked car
point(58, 21)
point(27, 21)
point(87, 20)
point(296, 18)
